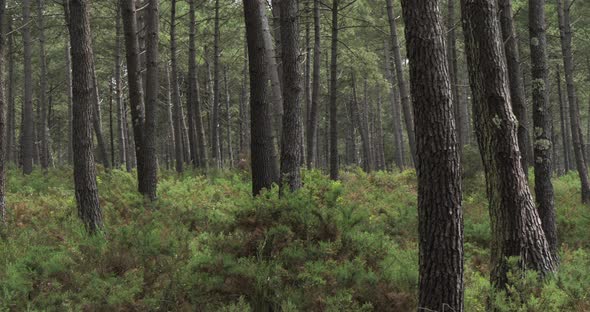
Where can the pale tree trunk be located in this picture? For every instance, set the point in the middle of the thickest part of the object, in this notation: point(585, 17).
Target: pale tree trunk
point(398, 140)
point(264, 162)
point(178, 148)
point(563, 9)
point(380, 138)
point(97, 123)
point(82, 89)
point(122, 144)
point(11, 150)
point(563, 115)
point(515, 223)
point(243, 107)
point(27, 128)
point(230, 151)
point(401, 81)
point(312, 130)
point(440, 216)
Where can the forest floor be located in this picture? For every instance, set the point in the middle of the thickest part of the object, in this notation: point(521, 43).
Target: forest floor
point(207, 245)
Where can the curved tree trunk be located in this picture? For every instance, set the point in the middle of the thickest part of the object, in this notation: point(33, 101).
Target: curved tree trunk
point(437, 159)
point(516, 226)
point(82, 89)
point(263, 153)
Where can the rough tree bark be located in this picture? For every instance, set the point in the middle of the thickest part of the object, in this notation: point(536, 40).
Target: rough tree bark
point(454, 72)
point(565, 31)
point(82, 89)
point(517, 94)
point(149, 185)
point(27, 128)
point(264, 159)
point(291, 152)
point(542, 123)
point(401, 81)
point(515, 223)
point(438, 160)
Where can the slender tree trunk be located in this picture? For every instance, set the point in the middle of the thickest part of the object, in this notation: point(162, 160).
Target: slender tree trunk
point(312, 130)
point(136, 98)
point(380, 138)
point(122, 143)
point(291, 152)
point(149, 186)
point(176, 92)
point(438, 166)
point(28, 131)
point(398, 140)
point(264, 162)
point(170, 116)
point(44, 130)
point(542, 123)
point(111, 127)
point(82, 89)
point(215, 126)
point(70, 101)
point(230, 152)
point(96, 121)
point(11, 150)
point(401, 81)
point(129, 144)
point(565, 135)
point(334, 94)
point(362, 126)
point(563, 9)
point(243, 106)
point(193, 95)
point(516, 226)
point(453, 72)
point(307, 82)
point(3, 134)
point(517, 94)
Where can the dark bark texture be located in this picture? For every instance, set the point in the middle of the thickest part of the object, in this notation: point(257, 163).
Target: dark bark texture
point(334, 94)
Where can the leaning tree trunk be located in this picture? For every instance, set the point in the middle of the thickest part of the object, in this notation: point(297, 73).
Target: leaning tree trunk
point(401, 81)
point(44, 131)
point(136, 98)
point(334, 94)
point(542, 123)
point(565, 31)
point(291, 152)
point(517, 95)
point(515, 223)
point(82, 89)
point(193, 96)
point(149, 185)
point(565, 135)
point(437, 159)
point(312, 130)
point(178, 148)
point(263, 154)
point(27, 128)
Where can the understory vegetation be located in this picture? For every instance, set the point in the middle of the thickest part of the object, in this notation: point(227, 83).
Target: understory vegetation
point(207, 245)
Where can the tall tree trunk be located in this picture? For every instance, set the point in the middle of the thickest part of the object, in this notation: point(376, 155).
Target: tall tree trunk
point(563, 9)
point(193, 95)
point(44, 130)
point(542, 123)
point(3, 134)
point(307, 82)
point(230, 152)
point(401, 81)
point(398, 139)
point(82, 89)
point(312, 130)
point(453, 72)
point(291, 152)
point(264, 162)
point(360, 120)
point(440, 216)
point(215, 124)
point(516, 226)
point(27, 128)
point(70, 101)
point(136, 98)
point(517, 95)
point(243, 105)
point(11, 150)
point(149, 186)
point(111, 127)
point(122, 143)
point(380, 138)
point(334, 94)
point(170, 116)
point(563, 115)
point(96, 121)
point(178, 148)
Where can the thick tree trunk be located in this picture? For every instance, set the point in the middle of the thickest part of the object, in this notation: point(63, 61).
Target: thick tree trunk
point(136, 98)
point(27, 128)
point(516, 226)
point(334, 94)
point(82, 89)
point(178, 148)
point(193, 95)
point(563, 9)
point(398, 139)
point(517, 95)
point(264, 162)
point(148, 187)
point(312, 130)
point(437, 158)
point(291, 152)
point(542, 123)
point(401, 81)
point(563, 115)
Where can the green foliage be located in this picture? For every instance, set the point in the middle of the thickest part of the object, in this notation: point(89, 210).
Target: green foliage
point(207, 244)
